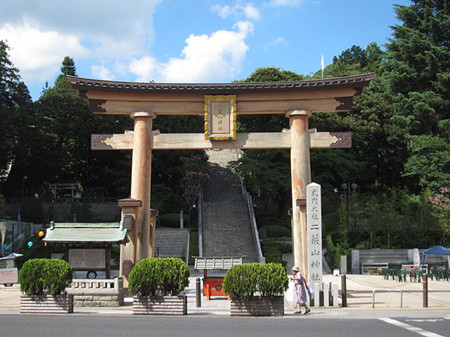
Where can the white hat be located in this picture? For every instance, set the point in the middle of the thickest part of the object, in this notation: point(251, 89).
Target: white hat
point(295, 268)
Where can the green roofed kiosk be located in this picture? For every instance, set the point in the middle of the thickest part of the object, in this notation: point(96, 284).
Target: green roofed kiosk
point(87, 245)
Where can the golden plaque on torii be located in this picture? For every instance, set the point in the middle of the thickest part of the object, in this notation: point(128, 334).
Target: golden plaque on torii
point(220, 117)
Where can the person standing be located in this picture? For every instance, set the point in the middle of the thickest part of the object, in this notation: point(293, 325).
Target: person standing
point(300, 290)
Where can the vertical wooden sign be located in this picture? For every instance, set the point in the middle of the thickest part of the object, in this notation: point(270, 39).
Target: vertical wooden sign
point(220, 117)
point(314, 225)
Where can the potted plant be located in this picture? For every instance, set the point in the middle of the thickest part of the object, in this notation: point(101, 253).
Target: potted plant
point(43, 283)
point(256, 289)
point(156, 284)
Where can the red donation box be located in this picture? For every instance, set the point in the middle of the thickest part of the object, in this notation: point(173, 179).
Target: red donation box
point(217, 266)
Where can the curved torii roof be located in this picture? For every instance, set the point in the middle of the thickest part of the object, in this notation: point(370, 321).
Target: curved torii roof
point(324, 95)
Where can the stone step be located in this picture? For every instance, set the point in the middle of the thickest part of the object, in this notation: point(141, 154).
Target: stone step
point(226, 223)
point(171, 242)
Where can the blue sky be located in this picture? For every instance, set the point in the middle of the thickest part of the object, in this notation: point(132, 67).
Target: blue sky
point(185, 40)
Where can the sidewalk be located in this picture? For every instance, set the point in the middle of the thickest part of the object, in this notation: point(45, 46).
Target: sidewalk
point(359, 300)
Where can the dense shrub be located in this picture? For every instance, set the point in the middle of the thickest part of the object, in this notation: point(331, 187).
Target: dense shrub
point(274, 231)
point(270, 220)
point(193, 246)
point(45, 276)
point(273, 251)
point(251, 279)
point(172, 220)
point(158, 276)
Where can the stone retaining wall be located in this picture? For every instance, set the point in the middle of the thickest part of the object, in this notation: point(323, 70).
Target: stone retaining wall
point(160, 305)
point(40, 304)
point(258, 306)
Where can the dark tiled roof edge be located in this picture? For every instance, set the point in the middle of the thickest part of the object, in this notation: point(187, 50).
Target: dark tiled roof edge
point(355, 81)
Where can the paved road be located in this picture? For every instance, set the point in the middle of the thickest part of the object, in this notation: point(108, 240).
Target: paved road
point(207, 326)
point(213, 317)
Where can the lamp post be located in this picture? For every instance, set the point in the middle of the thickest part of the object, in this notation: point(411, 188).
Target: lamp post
point(347, 189)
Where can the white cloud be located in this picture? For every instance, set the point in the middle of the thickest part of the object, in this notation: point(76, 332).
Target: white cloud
point(114, 37)
point(41, 32)
point(291, 3)
point(251, 12)
point(218, 56)
point(247, 11)
point(223, 11)
point(102, 72)
point(38, 54)
point(145, 68)
point(275, 42)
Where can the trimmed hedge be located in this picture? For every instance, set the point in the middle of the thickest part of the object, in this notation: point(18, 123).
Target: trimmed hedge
point(45, 276)
point(249, 279)
point(158, 276)
point(273, 251)
point(274, 231)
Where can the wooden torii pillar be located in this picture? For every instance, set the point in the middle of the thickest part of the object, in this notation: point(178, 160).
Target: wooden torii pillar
point(144, 101)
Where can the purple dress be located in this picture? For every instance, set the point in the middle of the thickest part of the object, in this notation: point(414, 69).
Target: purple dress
point(300, 289)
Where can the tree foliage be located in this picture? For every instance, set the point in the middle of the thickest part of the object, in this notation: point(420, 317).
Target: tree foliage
point(400, 130)
point(45, 276)
point(248, 279)
point(158, 277)
point(14, 101)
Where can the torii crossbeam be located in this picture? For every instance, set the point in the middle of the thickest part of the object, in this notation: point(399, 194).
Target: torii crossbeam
point(144, 101)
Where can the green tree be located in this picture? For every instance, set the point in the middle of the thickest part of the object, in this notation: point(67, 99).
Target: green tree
point(13, 92)
point(266, 172)
point(419, 50)
point(440, 203)
point(272, 74)
point(169, 167)
point(68, 67)
point(353, 61)
point(416, 71)
point(195, 174)
point(267, 175)
point(68, 125)
point(429, 163)
point(14, 101)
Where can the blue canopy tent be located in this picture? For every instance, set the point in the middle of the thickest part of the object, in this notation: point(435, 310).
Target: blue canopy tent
point(437, 250)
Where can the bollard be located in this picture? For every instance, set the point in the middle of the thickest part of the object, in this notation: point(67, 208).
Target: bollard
point(344, 290)
point(198, 292)
point(425, 290)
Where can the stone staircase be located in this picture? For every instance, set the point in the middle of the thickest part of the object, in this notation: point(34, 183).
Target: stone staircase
point(171, 243)
point(226, 224)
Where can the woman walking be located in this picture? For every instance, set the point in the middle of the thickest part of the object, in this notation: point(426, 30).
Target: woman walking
point(300, 289)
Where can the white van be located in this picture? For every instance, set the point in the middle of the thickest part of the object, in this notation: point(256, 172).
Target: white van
point(9, 274)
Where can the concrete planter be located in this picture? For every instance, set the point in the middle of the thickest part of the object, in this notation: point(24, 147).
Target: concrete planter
point(258, 306)
point(48, 304)
point(160, 305)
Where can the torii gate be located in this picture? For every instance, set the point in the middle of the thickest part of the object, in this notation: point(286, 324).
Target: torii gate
point(219, 103)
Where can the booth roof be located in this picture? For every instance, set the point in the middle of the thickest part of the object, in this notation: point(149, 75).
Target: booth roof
point(437, 250)
point(86, 232)
point(216, 263)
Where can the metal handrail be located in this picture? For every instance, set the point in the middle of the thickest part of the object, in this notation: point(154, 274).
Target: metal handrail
point(401, 293)
point(251, 212)
point(387, 290)
point(200, 222)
